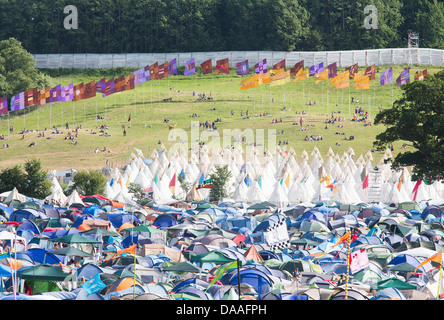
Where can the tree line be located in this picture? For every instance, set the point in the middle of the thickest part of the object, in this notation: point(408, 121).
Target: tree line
point(161, 26)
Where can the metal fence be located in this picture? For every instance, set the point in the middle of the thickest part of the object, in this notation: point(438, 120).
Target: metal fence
point(401, 56)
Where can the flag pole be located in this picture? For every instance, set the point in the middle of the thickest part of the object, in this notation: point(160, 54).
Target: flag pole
point(238, 278)
point(348, 268)
point(440, 278)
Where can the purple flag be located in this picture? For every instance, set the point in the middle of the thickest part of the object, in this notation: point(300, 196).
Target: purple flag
point(3, 105)
point(190, 67)
point(386, 77)
point(261, 66)
point(55, 93)
point(242, 68)
point(404, 77)
point(172, 67)
point(100, 84)
point(316, 68)
point(67, 93)
point(332, 70)
point(18, 102)
point(109, 88)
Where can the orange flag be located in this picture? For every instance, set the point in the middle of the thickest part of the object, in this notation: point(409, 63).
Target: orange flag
point(435, 258)
point(130, 249)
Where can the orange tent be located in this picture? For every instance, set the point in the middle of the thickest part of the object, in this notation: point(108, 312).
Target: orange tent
point(122, 284)
point(125, 225)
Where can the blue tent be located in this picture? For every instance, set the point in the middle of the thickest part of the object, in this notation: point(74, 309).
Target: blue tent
point(93, 210)
point(432, 210)
point(28, 214)
point(88, 271)
point(120, 218)
point(260, 281)
point(28, 225)
point(39, 255)
point(164, 221)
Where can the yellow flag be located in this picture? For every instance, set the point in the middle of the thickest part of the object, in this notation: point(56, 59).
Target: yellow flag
point(264, 77)
point(358, 76)
point(280, 79)
point(250, 82)
point(287, 180)
point(321, 76)
point(327, 179)
point(339, 77)
point(302, 75)
point(343, 82)
point(363, 83)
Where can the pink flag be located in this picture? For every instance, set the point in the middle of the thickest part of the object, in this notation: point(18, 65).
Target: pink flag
point(358, 260)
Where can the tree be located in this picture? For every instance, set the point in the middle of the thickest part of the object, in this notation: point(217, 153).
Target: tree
point(418, 118)
point(137, 191)
point(17, 69)
point(220, 178)
point(36, 184)
point(11, 178)
point(89, 182)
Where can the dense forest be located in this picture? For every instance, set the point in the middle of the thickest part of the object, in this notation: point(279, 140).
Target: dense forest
point(157, 26)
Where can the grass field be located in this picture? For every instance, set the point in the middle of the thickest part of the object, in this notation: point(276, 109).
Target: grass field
point(148, 111)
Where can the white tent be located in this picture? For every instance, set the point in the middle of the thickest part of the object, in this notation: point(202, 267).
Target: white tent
point(74, 197)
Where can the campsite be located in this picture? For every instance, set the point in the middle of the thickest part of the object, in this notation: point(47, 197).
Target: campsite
point(111, 248)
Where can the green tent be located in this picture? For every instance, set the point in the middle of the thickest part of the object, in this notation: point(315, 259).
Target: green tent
point(292, 265)
point(403, 267)
point(38, 286)
point(100, 232)
point(261, 206)
point(45, 272)
point(409, 205)
point(74, 238)
point(71, 252)
point(394, 283)
point(212, 256)
point(206, 206)
point(183, 267)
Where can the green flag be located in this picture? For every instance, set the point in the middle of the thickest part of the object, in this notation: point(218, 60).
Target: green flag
point(222, 271)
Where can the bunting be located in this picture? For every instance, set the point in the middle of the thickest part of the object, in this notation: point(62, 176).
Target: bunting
point(129, 82)
point(154, 71)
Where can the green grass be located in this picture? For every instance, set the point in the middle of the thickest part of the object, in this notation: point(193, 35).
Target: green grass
point(146, 106)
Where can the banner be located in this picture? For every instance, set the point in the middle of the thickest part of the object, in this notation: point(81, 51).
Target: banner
point(206, 184)
point(242, 68)
point(222, 66)
point(190, 67)
point(404, 77)
point(386, 77)
point(3, 105)
point(172, 67)
point(295, 69)
point(207, 66)
point(261, 66)
point(79, 90)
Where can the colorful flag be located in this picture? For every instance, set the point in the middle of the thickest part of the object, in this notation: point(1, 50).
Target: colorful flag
point(435, 258)
point(173, 183)
point(295, 69)
point(342, 75)
point(119, 84)
point(316, 68)
point(250, 82)
point(172, 67)
point(3, 105)
point(163, 71)
point(261, 66)
point(363, 83)
point(100, 85)
point(279, 65)
point(222, 271)
point(415, 189)
point(154, 71)
point(206, 184)
point(190, 67)
point(343, 81)
point(201, 179)
point(79, 91)
point(321, 76)
point(386, 77)
point(55, 93)
point(353, 69)
point(67, 93)
point(207, 66)
point(404, 77)
point(31, 97)
point(131, 250)
point(302, 75)
point(222, 66)
point(280, 78)
point(365, 183)
point(247, 180)
point(108, 88)
point(44, 96)
point(332, 70)
point(90, 90)
point(358, 260)
point(370, 72)
point(264, 77)
point(142, 75)
point(129, 82)
point(420, 75)
point(18, 102)
point(242, 68)
point(93, 285)
point(344, 238)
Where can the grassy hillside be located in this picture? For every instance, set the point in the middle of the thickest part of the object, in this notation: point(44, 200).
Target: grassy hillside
point(148, 110)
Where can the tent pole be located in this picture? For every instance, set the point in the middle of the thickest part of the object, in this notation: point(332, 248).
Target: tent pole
point(238, 278)
point(440, 278)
